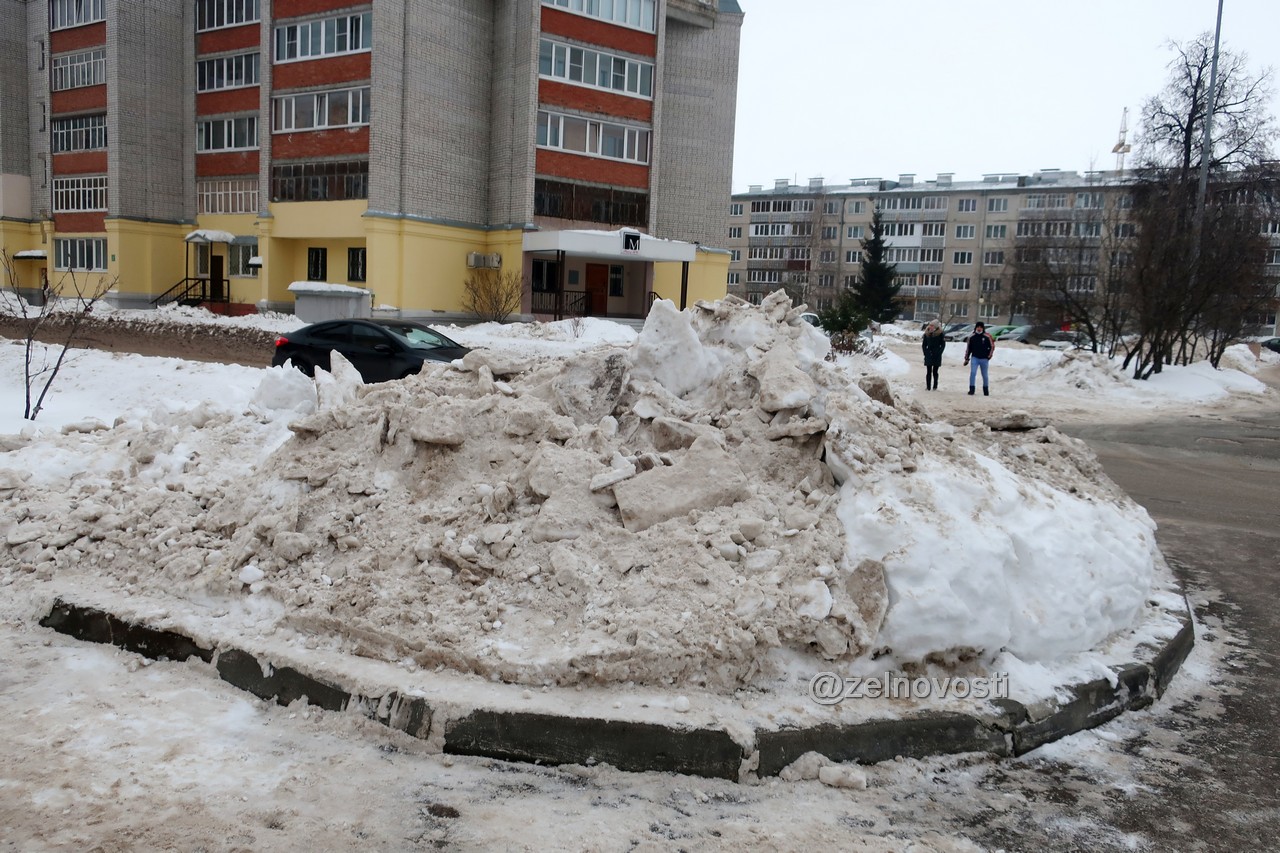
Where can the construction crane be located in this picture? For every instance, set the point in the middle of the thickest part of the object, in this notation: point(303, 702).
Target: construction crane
point(1122, 147)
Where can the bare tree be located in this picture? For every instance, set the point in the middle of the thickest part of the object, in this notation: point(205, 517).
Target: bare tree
point(1198, 259)
point(493, 295)
point(59, 319)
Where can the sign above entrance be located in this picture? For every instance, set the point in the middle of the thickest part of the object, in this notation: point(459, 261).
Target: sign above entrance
point(605, 245)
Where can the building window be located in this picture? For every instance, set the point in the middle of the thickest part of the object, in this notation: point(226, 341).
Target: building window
point(854, 232)
point(992, 259)
point(1084, 283)
point(227, 134)
point(764, 276)
point(1124, 201)
point(80, 254)
point(960, 283)
point(766, 253)
point(802, 229)
point(607, 205)
point(1088, 229)
point(997, 232)
point(214, 14)
point(899, 229)
point(930, 256)
point(826, 280)
point(79, 194)
point(959, 309)
point(802, 205)
point(595, 68)
point(1272, 257)
point(903, 203)
point(735, 209)
point(735, 255)
point(735, 232)
point(545, 276)
point(827, 256)
point(594, 138)
point(1089, 200)
point(629, 13)
point(1126, 229)
point(615, 280)
point(857, 207)
point(75, 13)
point(997, 204)
point(990, 285)
point(967, 205)
point(933, 229)
point(227, 72)
point(755, 297)
point(909, 255)
point(850, 281)
point(74, 70)
point(966, 232)
point(799, 253)
point(355, 264)
point(735, 278)
point(831, 208)
point(327, 37)
point(238, 256)
point(771, 229)
point(962, 258)
point(82, 133)
point(320, 110)
point(235, 195)
point(853, 256)
point(317, 264)
point(329, 181)
point(988, 310)
point(927, 306)
point(830, 232)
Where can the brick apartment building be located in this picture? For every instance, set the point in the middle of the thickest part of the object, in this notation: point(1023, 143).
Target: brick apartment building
point(230, 148)
point(955, 244)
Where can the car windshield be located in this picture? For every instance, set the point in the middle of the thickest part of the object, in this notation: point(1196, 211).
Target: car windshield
point(420, 337)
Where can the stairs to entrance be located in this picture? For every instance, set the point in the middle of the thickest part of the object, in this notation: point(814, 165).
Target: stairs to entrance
point(636, 323)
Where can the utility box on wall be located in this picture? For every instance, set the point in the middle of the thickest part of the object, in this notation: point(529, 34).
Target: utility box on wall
point(316, 301)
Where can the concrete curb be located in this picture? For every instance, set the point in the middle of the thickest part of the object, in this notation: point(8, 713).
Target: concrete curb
point(1011, 729)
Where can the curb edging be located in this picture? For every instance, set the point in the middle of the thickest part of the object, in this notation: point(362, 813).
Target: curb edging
point(1012, 729)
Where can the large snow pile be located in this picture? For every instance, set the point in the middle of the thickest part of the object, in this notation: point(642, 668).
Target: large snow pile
point(714, 504)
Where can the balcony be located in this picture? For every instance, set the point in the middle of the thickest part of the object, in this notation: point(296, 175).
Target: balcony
point(699, 13)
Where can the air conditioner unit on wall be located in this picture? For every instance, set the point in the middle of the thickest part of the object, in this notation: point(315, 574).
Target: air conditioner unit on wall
point(481, 260)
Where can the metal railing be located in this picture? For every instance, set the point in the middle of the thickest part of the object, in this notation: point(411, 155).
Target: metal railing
point(193, 291)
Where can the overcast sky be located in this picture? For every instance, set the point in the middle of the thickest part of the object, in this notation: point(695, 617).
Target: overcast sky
point(844, 89)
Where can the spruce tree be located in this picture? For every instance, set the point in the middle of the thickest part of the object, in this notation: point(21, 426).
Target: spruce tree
point(874, 291)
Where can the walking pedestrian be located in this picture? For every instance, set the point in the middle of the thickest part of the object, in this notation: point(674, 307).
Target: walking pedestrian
point(933, 343)
point(979, 351)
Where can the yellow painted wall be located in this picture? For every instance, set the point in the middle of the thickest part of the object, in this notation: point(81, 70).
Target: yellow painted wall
point(422, 266)
point(245, 289)
point(17, 237)
point(708, 278)
point(319, 220)
point(144, 257)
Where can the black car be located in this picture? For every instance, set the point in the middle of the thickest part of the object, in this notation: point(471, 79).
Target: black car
point(379, 349)
point(1272, 344)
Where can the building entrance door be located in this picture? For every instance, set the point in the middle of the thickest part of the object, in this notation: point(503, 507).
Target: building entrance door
point(597, 290)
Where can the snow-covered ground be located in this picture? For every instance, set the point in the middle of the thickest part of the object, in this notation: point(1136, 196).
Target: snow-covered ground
point(106, 749)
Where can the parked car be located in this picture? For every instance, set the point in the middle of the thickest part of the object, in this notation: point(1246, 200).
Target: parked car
point(1018, 334)
point(960, 333)
point(379, 349)
point(1272, 344)
point(998, 332)
point(1067, 340)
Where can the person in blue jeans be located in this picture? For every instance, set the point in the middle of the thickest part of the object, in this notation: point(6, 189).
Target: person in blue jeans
point(978, 356)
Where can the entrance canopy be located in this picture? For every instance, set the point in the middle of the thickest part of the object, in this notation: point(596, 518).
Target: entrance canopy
point(209, 235)
point(622, 245)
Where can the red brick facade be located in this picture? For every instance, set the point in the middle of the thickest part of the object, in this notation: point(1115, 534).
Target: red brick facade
point(234, 163)
point(77, 38)
point(80, 163)
point(79, 223)
point(310, 144)
point(337, 71)
point(82, 99)
point(244, 39)
point(553, 93)
point(233, 101)
point(282, 9)
point(592, 31)
point(562, 164)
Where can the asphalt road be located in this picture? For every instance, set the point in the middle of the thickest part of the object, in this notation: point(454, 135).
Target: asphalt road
point(1212, 484)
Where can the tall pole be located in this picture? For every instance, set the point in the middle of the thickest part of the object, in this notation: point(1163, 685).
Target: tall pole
point(1206, 144)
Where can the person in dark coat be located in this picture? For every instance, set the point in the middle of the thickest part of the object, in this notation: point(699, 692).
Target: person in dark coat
point(979, 351)
point(933, 343)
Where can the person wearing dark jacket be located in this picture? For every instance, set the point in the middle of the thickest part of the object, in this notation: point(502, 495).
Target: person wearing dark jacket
point(933, 343)
point(979, 351)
